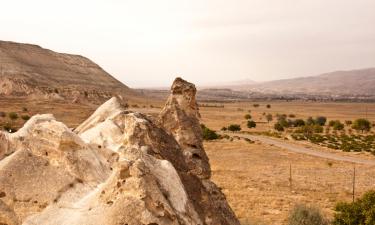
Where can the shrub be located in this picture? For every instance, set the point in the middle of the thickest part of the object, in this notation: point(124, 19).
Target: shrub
point(25, 117)
point(299, 123)
point(24, 109)
point(247, 116)
point(362, 125)
point(208, 134)
point(292, 116)
point(361, 211)
point(336, 124)
point(268, 106)
point(348, 122)
point(234, 127)
point(251, 124)
point(13, 115)
point(306, 215)
point(278, 127)
point(256, 105)
point(224, 129)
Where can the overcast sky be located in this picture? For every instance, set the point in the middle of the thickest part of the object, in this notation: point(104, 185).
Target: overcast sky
point(148, 43)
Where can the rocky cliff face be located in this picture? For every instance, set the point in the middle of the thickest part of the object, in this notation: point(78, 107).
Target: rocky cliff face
point(118, 167)
point(34, 72)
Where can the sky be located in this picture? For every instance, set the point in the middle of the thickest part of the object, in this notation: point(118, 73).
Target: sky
point(149, 43)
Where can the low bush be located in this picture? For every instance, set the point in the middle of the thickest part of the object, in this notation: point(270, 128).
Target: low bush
point(247, 117)
point(306, 215)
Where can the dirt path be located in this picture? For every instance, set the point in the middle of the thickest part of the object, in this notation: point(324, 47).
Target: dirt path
point(300, 149)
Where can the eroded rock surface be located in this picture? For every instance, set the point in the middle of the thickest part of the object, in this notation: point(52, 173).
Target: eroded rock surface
point(117, 167)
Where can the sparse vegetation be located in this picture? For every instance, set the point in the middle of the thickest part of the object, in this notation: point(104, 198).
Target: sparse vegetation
point(256, 105)
point(306, 215)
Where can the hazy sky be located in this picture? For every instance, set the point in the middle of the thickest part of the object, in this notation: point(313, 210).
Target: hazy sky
point(148, 43)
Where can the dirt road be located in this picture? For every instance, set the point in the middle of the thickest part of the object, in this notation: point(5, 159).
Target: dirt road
point(300, 149)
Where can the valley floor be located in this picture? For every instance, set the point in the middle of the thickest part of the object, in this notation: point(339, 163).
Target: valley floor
point(255, 179)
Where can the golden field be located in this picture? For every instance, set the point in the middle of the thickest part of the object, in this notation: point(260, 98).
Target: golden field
point(254, 177)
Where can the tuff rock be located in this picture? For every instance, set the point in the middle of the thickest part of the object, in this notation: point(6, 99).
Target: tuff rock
point(117, 167)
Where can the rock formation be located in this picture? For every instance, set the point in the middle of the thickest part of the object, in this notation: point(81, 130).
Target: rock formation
point(117, 167)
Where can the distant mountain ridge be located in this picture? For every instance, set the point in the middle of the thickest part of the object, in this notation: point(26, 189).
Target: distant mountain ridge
point(351, 83)
point(32, 71)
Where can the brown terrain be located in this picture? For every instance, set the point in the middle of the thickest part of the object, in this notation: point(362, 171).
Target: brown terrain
point(255, 177)
point(36, 73)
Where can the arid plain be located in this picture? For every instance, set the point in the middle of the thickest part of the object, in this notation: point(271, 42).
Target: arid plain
point(255, 177)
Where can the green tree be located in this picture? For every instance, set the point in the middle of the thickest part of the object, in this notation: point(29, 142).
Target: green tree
point(251, 124)
point(234, 127)
point(362, 125)
point(359, 212)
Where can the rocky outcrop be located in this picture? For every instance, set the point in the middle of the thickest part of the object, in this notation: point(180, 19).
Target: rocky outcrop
point(117, 167)
point(179, 117)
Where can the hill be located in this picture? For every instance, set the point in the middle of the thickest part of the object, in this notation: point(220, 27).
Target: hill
point(352, 83)
point(35, 72)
